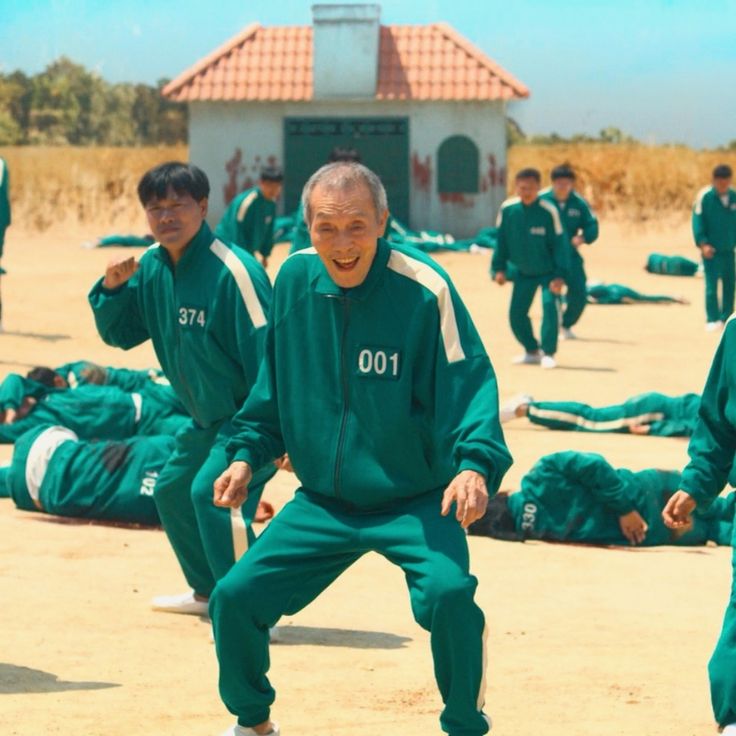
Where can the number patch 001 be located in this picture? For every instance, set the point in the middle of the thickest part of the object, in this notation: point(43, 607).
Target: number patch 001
point(378, 363)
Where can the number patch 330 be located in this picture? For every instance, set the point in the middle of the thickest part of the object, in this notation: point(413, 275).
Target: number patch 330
point(378, 363)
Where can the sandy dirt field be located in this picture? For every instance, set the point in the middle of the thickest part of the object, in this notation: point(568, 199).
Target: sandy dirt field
point(583, 641)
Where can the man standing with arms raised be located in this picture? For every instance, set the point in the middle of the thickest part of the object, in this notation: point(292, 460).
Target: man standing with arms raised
point(376, 384)
point(204, 304)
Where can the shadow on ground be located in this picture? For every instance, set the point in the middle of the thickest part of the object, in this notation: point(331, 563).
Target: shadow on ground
point(47, 337)
point(318, 636)
point(16, 679)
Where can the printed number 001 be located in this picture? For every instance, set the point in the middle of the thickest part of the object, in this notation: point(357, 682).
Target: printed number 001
point(377, 362)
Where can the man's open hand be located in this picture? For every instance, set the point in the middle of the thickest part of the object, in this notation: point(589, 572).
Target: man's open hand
point(468, 490)
point(231, 488)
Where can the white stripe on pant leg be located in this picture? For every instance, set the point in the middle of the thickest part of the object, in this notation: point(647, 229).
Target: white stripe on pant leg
point(482, 689)
point(610, 425)
point(239, 532)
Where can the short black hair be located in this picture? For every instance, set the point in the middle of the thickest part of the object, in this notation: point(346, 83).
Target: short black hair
point(344, 153)
point(42, 374)
point(182, 178)
point(722, 171)
point(529, 173)
point(563, 171)
point(272, 173)
point(498, 521)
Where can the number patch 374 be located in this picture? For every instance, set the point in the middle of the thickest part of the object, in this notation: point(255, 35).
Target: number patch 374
point(189, 316)
point(378, 363)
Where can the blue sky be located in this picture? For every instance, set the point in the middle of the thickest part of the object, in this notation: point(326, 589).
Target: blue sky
point(661, 70)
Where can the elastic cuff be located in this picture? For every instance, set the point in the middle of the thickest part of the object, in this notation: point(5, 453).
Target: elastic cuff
point(472, 465)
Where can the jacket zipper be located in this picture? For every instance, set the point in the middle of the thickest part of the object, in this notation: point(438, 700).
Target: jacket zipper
point(345, 396)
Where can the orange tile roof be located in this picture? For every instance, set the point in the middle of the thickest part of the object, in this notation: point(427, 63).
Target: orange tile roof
point(431, 62)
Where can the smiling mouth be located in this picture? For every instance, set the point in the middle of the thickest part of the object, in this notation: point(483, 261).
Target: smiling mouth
point(346, 264)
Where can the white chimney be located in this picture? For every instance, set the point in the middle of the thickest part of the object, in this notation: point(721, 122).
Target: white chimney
point(346, 40)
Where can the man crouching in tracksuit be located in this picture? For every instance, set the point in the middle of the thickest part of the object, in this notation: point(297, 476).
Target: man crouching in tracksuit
point(377, 385)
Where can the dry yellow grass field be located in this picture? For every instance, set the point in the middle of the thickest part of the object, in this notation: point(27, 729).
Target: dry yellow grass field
point(583, 641)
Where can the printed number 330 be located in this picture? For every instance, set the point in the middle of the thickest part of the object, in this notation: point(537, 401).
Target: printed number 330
point(188, 316)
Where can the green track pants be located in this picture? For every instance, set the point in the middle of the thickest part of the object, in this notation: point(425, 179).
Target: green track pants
point(206, 539)
point(722, 665)
point(576, 296)
point(525, 287)
point(719, 268)
point(304, 549)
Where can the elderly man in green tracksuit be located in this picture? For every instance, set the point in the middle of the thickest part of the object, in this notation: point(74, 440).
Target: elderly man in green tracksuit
point(98, 412)
point(579, 497)
point(53, 471)
point(650, 413)
point(4, 220)
point(581, 226)
point(531, 238)
point(714, 231)
point(248, 219)
point(377, 385)
point(712, 449)
point(204, 304)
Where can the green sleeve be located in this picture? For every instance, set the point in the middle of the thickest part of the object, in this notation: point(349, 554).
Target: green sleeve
point(713, 443)
point(267, 241)
point(561, 252)
point(12, 391)
point(467, 426)
point(4, 195)
point(9, 433)
point(592, 473)
point(679, 427)
point(4, 481)
point(589, 223)
point(256, 437)
point(501, 253)
point(700, 234)
point(117, 314)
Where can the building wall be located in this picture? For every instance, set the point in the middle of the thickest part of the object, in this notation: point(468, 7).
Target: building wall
point(231, 141)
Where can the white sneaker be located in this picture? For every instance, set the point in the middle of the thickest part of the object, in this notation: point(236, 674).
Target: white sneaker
point(713, 326)
point(507, 412)
point(182, 603)
point(237, 730)
point(567, 334)
point(548, 361)
point(528, 359)
point(729, 730)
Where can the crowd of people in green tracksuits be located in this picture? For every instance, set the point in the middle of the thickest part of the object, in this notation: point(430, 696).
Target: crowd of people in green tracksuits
point(360, 370)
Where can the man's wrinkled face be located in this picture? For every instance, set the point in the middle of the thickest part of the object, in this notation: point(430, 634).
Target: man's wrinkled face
point(270, 189)
point(527, 189)
point(562, 188)
point(344, 229)
point(721, 184)
point(176, 218)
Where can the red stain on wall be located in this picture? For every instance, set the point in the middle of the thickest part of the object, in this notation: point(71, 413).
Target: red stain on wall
point(495, 175)
point(421, 172)
point(235, 167)
point(458, 198)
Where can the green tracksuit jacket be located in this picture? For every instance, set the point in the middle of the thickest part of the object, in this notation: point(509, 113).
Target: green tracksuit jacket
point(205, 318)
point(79, 373)
point(532, 238)
point(14, 388)
point(103, 412)
point(579, 497)
point(248, 222)
point(671, 265)
point(713, 222)
point(111, 480)
point(620, 294)
point(577, 217)
point(402, 395)
point(4, 201)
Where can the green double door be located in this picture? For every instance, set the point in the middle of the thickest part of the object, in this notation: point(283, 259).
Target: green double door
point(383, 145)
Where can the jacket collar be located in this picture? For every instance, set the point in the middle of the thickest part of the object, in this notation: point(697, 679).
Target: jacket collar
point(326, 286)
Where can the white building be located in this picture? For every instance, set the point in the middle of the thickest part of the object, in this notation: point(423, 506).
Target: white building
point(425, 109)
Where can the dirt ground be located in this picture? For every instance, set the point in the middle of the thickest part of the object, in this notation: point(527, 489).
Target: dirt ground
point(583, 641)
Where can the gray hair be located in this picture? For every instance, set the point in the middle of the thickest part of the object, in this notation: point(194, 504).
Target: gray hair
point(342, 176)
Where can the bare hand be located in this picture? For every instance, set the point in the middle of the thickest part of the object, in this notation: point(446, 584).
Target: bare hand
point(500, 278)
point(708, 251)
point(283, 463)
point(555, 286)
point(577, 240)
point(468, 489)
point(634, 528)
point(640, 428)
point(231, 488)
point(119, 271)
point(676, 514)
point(8, 416)
point(264, 261)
